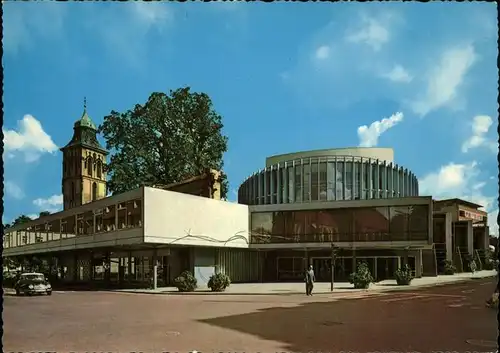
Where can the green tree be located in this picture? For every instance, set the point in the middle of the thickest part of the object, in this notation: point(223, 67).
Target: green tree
point(168, 139)
point(21, 219)
point(44, 213)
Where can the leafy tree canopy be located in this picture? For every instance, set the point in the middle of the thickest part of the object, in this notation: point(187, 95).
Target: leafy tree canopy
point(44, 213)
point(168, 139)
point(21, 219)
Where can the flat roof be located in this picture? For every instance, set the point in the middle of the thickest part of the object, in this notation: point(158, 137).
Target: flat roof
point(460, 201)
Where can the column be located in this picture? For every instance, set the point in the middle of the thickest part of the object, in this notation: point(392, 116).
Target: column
point(334, 191)
point(396, 184)
point(448, 236)
point(279, 196)
point(155, 269)
point(353, 179)
point(344, 178)
point(418, 263)
point(302, 197)
point(285, 183)
point(470, 238)
point(370, 179)
point(362, 185)
point(266, 185)
point(385, 182)
point(259, 185)
point(376, 182)
point(309, 196)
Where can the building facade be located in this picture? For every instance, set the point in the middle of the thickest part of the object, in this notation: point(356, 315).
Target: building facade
point(354, 200)
point(337, 206)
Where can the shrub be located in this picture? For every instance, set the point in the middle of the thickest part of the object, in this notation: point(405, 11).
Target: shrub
point(490, 263)
point(362, 277)
point(186, 282)
point(403, 275)
point(219, 282)
point(449, 268)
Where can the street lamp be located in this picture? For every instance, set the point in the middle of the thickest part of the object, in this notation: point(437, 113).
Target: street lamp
point(332, 264)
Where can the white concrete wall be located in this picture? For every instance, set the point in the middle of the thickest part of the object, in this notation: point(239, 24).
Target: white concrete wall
point(181, 219)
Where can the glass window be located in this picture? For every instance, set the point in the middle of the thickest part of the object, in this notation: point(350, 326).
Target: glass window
point(348, 181)
point(366, 172)
point(262, 226)
point(357, 180)
point(322, 181)
point(374, 183)
point(294, 223)
point(274, 185)
point(336, 222)
point(314, 181)
point(389, 181)
point(331, 176)
point(340, 181)
point(307, 180)
point(371, 223)
point(399, 222)
point(278, 229)
point(267, 187)
point(281, 190)
point(290, 185)
point(298, 183)
point(418, 222)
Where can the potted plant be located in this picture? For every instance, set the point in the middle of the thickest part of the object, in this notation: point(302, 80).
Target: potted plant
point(186, 282)
point(449, 268)
point(362, 277)
point(403, 276)
point(219, 282)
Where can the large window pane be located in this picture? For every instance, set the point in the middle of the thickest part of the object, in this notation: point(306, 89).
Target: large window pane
point(267, 198)
point(419, 222)
point(357, 180)
point(399, 222)
point(366, 175)
point(274, 185)
point(335, 224)
point(322, 181)
point(298, 183)
point(262, 227)
point(331, 181)
point(290, 185)
point(348, 181)
point(278, 229)
point(307, 179)
point(340, 181)
point(314, 181)
point(371, 223)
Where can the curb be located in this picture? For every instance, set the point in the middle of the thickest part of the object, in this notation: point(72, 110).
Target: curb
point(394, 288)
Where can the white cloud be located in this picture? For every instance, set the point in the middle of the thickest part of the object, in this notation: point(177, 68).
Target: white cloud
point(30, 139)
point(371, 32)
point(323, 52)
point(445, 78)
point(13, 190)
point(480, 127)
point(51, 204)
point(368, 135)
point(460, 181)
point(398, 74)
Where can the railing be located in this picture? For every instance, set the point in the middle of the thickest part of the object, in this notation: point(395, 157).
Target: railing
point(337, 238)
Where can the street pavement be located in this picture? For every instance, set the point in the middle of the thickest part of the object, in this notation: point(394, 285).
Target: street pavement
point(445, 318)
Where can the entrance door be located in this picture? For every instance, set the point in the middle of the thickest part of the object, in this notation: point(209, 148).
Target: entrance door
point(322, 269)
point(386, 266)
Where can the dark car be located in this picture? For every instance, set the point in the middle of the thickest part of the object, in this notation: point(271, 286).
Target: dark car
point(32, 283)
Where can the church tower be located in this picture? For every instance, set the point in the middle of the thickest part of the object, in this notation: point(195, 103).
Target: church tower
point(84, 161)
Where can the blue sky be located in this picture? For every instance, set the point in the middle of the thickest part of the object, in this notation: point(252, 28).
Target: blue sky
point(420, 78)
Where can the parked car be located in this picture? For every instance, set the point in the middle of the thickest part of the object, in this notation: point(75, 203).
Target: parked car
point(32, 283)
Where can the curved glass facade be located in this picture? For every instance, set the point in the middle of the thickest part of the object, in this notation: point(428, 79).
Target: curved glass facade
point(327, 179)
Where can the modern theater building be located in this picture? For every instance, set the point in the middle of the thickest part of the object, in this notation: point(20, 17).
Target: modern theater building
point(355, 202)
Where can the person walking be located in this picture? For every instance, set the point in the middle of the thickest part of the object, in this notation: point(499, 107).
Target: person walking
point(310, 280)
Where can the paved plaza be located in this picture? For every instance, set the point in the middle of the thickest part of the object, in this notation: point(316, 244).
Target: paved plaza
point(442, 318)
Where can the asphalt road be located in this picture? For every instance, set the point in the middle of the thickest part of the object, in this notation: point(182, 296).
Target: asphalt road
point(439, 319)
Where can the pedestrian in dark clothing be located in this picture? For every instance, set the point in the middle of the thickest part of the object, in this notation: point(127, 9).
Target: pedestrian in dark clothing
point(310, 280)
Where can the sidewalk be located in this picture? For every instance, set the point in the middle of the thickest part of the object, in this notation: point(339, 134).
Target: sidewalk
point(320, 288)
